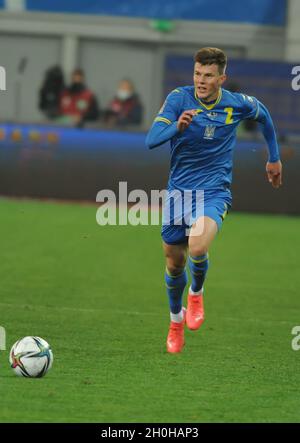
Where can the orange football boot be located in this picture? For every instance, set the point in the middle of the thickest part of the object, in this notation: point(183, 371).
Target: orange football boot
point(195, 311)
point(175, 339)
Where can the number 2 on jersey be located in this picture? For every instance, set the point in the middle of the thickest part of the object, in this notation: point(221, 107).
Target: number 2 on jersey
point(229, 118)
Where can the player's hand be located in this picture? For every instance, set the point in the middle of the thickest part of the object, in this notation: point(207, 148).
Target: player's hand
point(274, 173)
point(185, 119)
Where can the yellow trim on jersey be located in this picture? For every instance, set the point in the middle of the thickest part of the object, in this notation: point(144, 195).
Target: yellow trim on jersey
point(175, 90)
point(209, 107)
point(163, 119)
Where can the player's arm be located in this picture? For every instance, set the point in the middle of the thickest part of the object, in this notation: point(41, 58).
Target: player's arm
point(273, 166)
point(160, 132)
point(170, 121)
point(253, 109)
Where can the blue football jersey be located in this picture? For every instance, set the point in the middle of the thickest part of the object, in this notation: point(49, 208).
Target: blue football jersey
point(201, 155)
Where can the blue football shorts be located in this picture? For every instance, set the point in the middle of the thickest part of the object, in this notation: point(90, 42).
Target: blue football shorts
point(181, 210)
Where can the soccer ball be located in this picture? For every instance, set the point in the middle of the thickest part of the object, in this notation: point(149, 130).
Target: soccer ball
point(31, 357)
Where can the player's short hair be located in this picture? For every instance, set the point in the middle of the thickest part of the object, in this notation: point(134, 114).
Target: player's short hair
point(211, 56)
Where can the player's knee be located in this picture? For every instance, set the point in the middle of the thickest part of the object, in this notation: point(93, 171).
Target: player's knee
point(198, 245)
point(175, 265)
point(198, 250)
point(175, 258)
point(175, 269)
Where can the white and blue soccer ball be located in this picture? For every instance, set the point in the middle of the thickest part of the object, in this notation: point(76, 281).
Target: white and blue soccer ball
point(31, 357)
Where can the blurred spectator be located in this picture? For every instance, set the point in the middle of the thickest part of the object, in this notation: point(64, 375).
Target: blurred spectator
point(125, 108)
point(50, 92)
point(78, 104)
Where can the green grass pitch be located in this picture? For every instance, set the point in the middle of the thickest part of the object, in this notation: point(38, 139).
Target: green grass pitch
point(96, 294)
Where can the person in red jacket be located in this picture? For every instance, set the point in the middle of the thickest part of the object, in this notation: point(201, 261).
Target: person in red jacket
point(125, 108)
point(78, 103)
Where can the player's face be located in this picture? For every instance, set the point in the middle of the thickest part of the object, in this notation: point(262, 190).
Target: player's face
point(207, 81)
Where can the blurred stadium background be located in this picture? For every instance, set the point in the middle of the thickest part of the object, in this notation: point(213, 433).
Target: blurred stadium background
point(152, 45)
point(59, 268)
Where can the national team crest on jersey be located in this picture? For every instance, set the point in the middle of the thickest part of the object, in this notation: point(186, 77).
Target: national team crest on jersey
point(209, 132)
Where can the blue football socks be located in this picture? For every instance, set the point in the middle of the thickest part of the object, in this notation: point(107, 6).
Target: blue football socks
point(175, 286)
point(198, 267)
